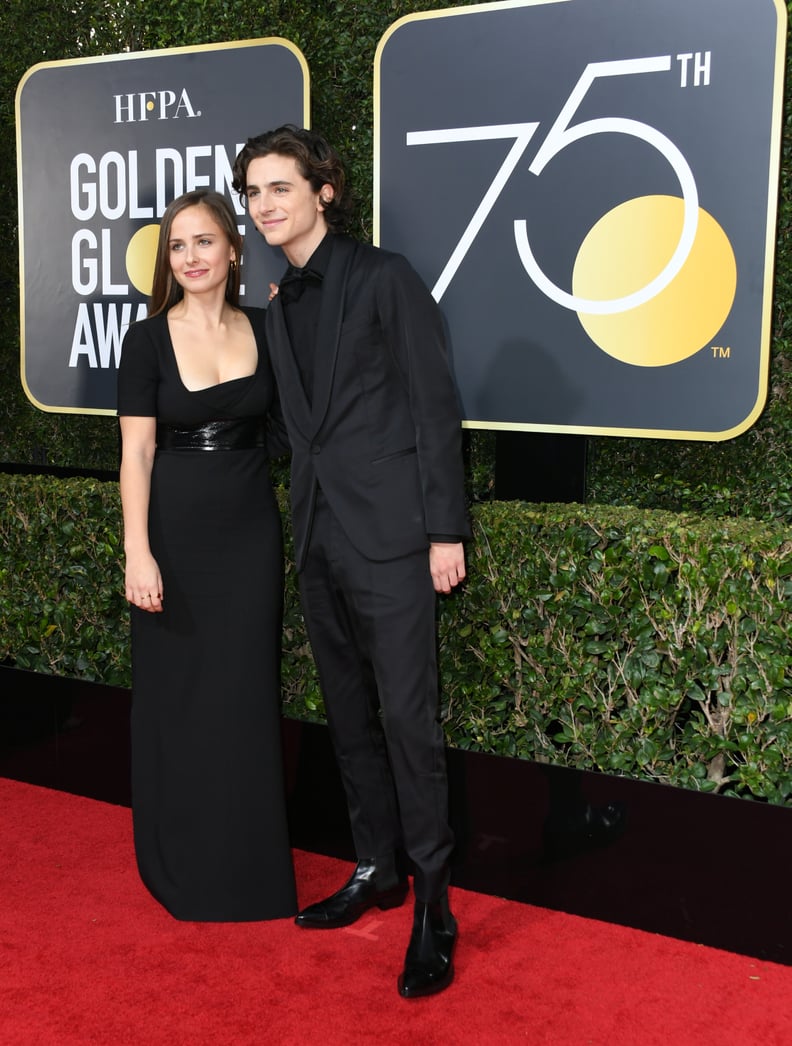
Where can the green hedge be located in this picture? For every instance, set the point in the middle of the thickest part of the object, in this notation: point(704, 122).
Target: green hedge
point(644, 644)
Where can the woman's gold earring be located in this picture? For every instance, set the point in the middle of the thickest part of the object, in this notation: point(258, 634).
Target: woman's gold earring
point(233, 265)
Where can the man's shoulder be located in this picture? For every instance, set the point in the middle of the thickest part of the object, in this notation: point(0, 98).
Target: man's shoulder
point(373, 258)
point(372, 252)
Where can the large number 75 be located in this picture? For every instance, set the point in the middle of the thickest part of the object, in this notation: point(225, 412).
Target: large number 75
point(559, 137)
point(648, 336)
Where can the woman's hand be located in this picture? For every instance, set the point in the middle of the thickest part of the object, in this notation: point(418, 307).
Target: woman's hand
point(143, 583)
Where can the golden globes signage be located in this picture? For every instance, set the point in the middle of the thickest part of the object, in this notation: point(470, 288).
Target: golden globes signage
point(104, 144)
point(589, 188)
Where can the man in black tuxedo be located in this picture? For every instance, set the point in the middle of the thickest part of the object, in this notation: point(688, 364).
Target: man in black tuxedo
point(379, 519)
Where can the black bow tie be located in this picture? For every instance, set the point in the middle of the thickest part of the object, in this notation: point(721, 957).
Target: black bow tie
point(294, 281)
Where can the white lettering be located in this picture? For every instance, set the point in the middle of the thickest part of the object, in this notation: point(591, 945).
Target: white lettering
point(99, 332)
point(79, 189)
point(166, 105)
point(110, 184)
point(192, 154)
point(110, 333)
point(86, 269)
point(84, 237)
point(683, 60)
point(166, 100)
point(184, 105)
point(701, 71)
point(168, 190)
point(135, 210)
point(701, 64)
point(147, 103)
point(113, 185)
point(223, 177)
point(122, 108)
point(82, 342)
point(108, 287)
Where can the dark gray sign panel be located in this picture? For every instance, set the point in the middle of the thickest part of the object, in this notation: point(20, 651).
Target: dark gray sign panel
point(589, 188)
point(103, 145)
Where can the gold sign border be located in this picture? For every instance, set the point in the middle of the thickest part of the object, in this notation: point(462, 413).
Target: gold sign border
point(772, 197)
point(130, 56)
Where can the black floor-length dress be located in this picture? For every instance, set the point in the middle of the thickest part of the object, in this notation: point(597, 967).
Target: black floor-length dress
point(208, 798)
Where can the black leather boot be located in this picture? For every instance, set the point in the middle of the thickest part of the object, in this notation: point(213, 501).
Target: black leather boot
point(428, 966)
point(373, 884)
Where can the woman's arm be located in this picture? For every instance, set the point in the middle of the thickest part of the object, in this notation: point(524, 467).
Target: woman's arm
point(143, 581)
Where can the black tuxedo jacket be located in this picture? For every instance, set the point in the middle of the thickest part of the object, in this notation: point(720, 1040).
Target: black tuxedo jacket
point(381, 434)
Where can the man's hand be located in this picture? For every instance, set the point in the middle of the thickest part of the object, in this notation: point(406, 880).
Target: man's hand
point(446, 565)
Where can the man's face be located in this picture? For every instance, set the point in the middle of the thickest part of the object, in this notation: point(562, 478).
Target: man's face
point(284, 207)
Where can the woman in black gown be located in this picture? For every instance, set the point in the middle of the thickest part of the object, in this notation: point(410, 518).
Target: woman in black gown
point(204, 571)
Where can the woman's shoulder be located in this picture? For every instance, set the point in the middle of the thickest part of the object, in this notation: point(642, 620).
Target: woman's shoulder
point(148, 328)
point(144, 345)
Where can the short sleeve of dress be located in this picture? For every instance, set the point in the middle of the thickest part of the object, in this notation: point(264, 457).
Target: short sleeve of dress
point(138, 373)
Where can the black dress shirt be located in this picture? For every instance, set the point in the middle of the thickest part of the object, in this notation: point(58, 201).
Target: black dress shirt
point(301, 311)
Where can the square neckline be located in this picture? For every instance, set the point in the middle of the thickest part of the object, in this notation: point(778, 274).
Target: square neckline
point(219, 384)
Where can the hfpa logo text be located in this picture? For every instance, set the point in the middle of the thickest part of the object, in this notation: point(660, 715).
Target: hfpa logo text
point(153, 105)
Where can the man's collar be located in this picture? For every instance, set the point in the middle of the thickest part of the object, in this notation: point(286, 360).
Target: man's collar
point(295, 279)
point(320, 258)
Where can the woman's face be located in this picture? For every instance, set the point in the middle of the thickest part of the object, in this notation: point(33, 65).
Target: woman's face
point(199, 251)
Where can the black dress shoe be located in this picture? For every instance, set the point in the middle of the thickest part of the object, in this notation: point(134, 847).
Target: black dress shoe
point(428, 968)
point(363, 891)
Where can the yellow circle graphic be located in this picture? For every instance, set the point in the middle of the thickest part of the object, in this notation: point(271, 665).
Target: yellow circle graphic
point(140, 257)
point(624, 251)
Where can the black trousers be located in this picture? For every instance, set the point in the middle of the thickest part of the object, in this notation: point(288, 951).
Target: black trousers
point(372, 630)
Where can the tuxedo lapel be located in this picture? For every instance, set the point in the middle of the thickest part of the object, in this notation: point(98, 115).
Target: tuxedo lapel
point(331, 316)
point(287, 373)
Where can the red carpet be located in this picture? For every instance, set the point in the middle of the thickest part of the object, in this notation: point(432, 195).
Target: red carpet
point(86, 956)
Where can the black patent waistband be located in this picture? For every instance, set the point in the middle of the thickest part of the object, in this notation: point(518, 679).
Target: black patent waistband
point(239, 434)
